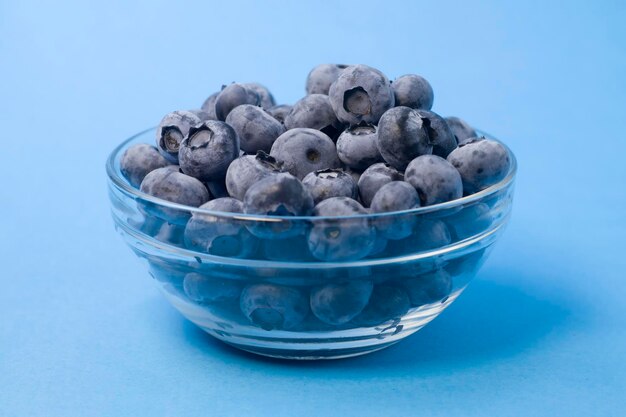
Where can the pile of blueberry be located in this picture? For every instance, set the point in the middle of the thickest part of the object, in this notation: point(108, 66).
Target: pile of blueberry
point(357, 143)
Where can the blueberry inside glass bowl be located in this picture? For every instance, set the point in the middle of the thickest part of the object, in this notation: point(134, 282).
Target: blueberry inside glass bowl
point(267, 284)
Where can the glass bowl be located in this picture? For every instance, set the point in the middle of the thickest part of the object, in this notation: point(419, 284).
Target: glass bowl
point(309, 287)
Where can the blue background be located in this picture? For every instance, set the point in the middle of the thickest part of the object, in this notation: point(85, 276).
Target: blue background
point(541, 331)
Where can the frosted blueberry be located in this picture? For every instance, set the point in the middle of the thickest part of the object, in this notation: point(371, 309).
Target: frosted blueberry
point(337, 304)
point(247, 170)
point(481, 163)
point(139, 160)
point(357, 147)
point(208, 150)
point(330, 183)
point(272, 306)
point(217, 235)
point(361, 94)
point(402, 137)
point(413, 91)
point(171, 132)
point(304, 150)
point(435, 179)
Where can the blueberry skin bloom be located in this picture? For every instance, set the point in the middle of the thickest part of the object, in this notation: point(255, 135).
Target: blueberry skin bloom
point(481, 163)
point(221, 236)
point(272, 306)
point(330, 183)
point(209, 106)
point(139, 160)
point(314, 111)
point(395, 196)
point(280, 112)
point(361, 94)
point(461, 129)
point(386, 303)
point(341, 239)
point(304, 150)
point(172, 185)
point(202, 289)
point(439, 133)
point(373, 178)
point(357, 147)
point(402, 137)
point(435, 179)
point(337, 304)
point(171, 132)
point(247, 170)
point(266, 99)
point(428, 288)
point(280, 195)
point(234, 95)
point(413, 91)
point(208, 150)
point(321, 77)
point(257, 130)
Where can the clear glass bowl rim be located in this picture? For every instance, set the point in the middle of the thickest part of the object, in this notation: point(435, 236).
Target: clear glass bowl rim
point(121, 184)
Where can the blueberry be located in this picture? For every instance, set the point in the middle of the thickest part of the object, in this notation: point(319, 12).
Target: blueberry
point(304, 150)
point(339, 303)
point(321, 77)
point(427, 234)
point(208, 150)
point(209, 106)
point(265, 96)
point(460, 129)
point(171, 185)
point(203, 289)
point(373, 178)
point(234, 95)
point(280, 112)
point(402, 137)
point(435, 179)
point(247, 170)
point(395, 196)
point(139, 160)
point(481, 163)
point(428, 288)
point(314, 111)
point(361, 94)
point(217, 188)
point(380, 245)
point(273, 306)
point(387, 302)
point(280, 195)
point(171, 132)
point(220, 236)
point(340, 239)
point(356, 175)
point(329, 183)
point(357, 147)
point(470, 221)
point(257, 129)
point(413, 91)
point(439, 133)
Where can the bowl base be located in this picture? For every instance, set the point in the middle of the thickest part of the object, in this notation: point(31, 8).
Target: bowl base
point(310, 345)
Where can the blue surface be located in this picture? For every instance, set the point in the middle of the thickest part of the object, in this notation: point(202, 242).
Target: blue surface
point(541, 331)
